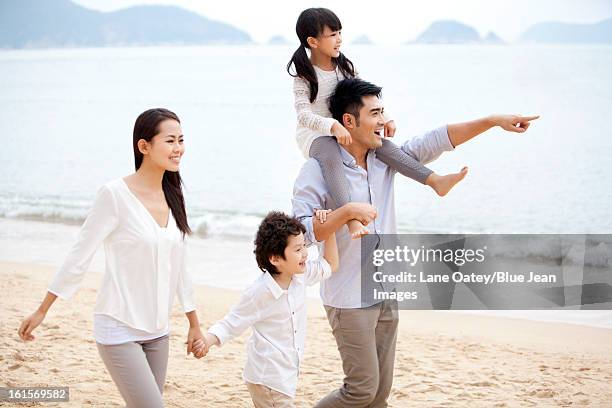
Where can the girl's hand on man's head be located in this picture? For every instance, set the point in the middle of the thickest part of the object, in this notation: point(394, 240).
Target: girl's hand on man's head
point(342, 135)
point(390, 129)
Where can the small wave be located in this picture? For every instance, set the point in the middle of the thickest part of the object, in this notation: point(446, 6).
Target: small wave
point(46, 209)
point(591, 250)
point(205, 223)
point(225, 225)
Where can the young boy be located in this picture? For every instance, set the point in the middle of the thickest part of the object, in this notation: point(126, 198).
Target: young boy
point(274, 306)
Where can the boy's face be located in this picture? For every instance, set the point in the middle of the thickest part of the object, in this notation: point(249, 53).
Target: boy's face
point(369, 132)
point(295, 256)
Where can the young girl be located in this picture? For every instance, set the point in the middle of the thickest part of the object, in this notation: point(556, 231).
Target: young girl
point(318, 29)
point(142, 222)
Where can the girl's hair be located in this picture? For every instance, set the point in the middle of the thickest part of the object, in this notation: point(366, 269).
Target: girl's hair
point(312, 23)
point(147, 126)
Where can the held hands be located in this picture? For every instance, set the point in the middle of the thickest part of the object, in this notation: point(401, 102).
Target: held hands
point(203, 345)
point(513, 123)
point(193, 336)
point(342, 135)
point(363, 212)
point(29, 324)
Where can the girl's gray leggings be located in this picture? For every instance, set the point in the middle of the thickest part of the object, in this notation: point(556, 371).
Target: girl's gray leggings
point(139, 370)
point(326, 151)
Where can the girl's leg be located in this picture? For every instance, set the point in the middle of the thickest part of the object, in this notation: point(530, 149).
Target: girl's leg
point(129, 368)
point(394, 157)
point(326, 151)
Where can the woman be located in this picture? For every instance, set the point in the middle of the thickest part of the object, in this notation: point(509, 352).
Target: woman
point(142, 222)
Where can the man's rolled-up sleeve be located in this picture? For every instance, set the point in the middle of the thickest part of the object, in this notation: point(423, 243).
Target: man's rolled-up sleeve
point(429, 146)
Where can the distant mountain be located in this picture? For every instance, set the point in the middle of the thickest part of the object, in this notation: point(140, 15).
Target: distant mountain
point(492, 38)
point(278, 40)
point(362, 40)
point(555, 32)
point(448, 32)
point(61, 23)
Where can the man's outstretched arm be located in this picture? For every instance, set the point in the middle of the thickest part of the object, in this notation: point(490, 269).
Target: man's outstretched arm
point(459, 133)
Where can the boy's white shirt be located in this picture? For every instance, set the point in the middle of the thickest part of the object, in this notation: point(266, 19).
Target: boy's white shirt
point(278, 319)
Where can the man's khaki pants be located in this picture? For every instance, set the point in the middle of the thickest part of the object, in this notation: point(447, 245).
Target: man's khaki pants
point(366, 341)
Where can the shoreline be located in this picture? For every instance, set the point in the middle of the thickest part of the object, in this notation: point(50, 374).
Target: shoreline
point(47, 244)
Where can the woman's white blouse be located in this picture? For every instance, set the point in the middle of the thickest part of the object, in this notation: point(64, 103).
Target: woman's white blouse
point(145, 263)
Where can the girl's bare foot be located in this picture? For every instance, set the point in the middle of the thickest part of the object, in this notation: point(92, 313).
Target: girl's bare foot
point(443, 184)
point(357, 229)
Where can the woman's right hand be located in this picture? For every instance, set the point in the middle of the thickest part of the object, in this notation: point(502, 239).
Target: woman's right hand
point(342, 135)
point(29, 324)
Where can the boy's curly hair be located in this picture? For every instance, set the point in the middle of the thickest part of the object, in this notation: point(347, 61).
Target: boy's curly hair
point(272, 237)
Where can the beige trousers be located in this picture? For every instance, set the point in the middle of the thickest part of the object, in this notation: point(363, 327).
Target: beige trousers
point(366, 341)
point(139, 370)
point(265, 397)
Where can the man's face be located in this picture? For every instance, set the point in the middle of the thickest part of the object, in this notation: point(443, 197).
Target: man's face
point(369, 133)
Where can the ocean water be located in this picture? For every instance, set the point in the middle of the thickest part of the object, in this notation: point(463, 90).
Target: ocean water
point(66, 118)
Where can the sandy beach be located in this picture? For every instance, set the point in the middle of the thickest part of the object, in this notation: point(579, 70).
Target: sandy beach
point(443, 359)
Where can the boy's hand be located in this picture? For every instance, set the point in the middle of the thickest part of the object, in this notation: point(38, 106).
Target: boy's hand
point(390, 129)
point(342, 135)
point(199, 349)
point(321, 215)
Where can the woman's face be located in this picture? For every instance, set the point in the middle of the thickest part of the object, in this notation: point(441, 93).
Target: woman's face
point(165, 148)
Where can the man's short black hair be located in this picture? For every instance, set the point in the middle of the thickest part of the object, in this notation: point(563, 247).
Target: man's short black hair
point(347, 97)
point(272, 238)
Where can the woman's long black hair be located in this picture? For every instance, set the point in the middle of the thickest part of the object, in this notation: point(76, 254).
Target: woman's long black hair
point(311, 23)
point(147, 126)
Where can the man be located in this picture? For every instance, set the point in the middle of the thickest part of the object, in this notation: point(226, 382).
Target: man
point(366, 333)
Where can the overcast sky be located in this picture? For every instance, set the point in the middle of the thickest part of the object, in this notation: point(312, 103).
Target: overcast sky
point(384, 21)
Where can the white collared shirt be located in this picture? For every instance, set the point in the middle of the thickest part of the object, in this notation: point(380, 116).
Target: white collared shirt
point(278, 319)
point(145, 263)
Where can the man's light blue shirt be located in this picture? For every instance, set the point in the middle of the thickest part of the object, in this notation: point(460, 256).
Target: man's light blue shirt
point(375, 186)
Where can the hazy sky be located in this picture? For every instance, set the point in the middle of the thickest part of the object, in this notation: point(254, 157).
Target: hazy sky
point(384, 21)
